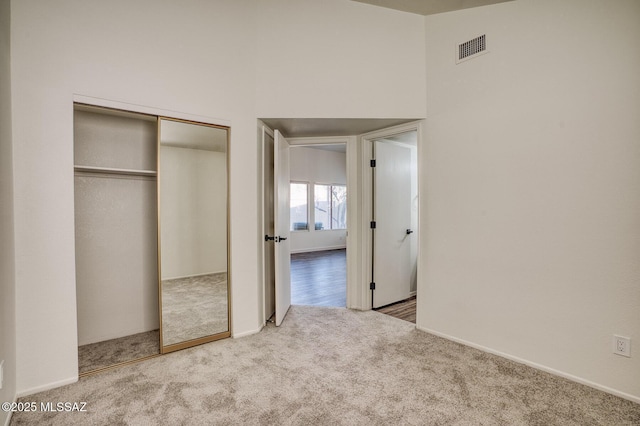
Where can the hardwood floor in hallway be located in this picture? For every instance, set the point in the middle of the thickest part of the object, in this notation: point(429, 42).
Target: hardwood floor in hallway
point(405, 310)
point(319, 278)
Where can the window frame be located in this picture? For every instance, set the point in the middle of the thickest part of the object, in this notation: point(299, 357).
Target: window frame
point(330, 213)
point(314, 206)
point(308, 185)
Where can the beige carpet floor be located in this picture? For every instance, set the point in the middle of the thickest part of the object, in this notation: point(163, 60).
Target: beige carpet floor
point(332, 366)
point(99, 355)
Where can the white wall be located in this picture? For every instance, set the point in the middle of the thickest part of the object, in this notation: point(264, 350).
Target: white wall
point(7, 254)
point(142, 53)
point(338, 59)
point(214, 59)
point(314, 165)
point(193, 187)
point(116, 257)
point(530, 204)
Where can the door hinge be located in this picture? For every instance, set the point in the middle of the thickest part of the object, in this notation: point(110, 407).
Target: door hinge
point(372, 286)
point(373, 224)
point(372, 163)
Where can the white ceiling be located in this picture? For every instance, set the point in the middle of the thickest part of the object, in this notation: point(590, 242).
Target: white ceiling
point(430, 7)
point(336, 147)
point(409, 138)
point(317, 127)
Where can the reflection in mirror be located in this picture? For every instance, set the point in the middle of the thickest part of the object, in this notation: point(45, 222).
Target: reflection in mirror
point(192, 184)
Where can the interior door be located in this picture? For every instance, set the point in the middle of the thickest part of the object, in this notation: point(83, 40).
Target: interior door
point(392, 215)
point(281, 219)
point(268, 225)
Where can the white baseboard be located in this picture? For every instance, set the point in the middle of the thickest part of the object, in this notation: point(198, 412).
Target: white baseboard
point(412, 293)
point(309, 250)
point(46, 387)
point(537, 366)
point(247, 333)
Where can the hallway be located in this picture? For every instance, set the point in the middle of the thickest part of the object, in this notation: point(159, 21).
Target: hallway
point(319, 278)
point(405, 310)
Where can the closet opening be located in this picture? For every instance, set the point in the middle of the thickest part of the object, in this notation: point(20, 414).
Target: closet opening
point(152, 235)
point(116, 236)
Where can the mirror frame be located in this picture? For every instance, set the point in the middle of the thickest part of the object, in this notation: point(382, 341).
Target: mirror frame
point(164, 349)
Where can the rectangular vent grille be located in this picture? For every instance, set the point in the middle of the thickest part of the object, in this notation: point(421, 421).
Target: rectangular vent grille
point(472, 48)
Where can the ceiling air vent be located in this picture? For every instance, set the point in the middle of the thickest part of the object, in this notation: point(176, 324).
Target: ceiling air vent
point(472, 48)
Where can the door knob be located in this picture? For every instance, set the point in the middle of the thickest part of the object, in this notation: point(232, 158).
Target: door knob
point(409, 231)
point(268, 238)
point(281, 238)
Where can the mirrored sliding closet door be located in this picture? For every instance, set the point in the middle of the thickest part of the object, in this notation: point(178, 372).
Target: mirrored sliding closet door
point(151, 234)
point(193, 233)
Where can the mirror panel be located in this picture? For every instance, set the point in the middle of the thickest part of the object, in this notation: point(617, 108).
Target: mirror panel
point(193, 233)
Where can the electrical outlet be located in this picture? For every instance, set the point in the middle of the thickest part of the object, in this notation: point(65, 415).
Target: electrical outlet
point(622, 346)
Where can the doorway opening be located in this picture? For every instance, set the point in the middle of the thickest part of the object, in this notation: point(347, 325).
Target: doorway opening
point(318, 216)
point(361, 134)
point(394, 223)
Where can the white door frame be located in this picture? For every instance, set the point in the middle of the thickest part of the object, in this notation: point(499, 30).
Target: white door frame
point(359, 187)
point(366, 144)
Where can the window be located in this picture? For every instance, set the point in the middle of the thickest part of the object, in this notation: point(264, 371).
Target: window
point(338, 207)
point(298, 211)
point(330, 206)
point(322, 205)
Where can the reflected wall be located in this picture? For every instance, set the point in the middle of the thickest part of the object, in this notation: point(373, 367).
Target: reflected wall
point(193, 215)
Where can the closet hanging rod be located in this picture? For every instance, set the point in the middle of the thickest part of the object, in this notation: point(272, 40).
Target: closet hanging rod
point(114, 171)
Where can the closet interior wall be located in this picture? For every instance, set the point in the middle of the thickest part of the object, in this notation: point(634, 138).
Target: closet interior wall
point(115, 157)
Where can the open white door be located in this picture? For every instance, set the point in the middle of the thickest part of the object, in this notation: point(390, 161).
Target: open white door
point(268, 226)
point(392, 215)
point(281, 234)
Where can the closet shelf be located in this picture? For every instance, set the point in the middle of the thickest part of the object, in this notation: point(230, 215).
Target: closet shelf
point(114, 171)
